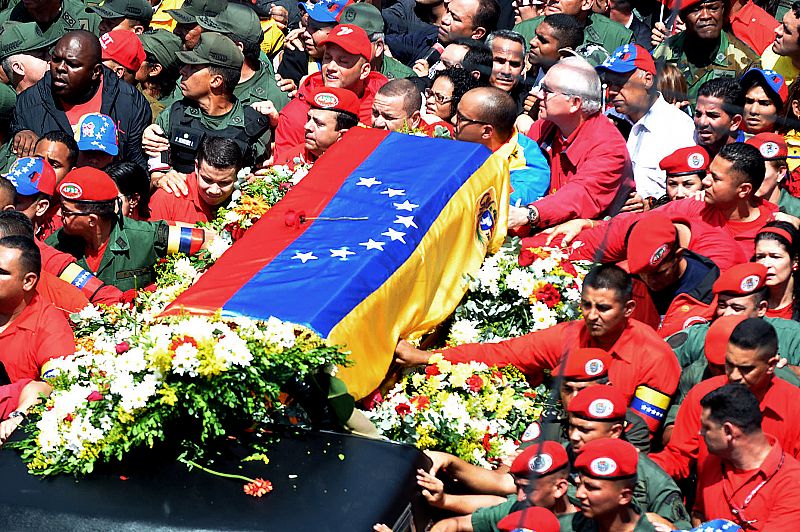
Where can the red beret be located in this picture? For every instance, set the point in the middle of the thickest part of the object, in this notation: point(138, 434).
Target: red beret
point(351, 38)
point(742, 279)
point(88, 184)
point(717, 337)
point(771, 146)
point(335, 99)
point(608, 458)
point(533, 519)
point(583, 364)
point(650, 242)
point(599, 403)
point(540, 459)
point(684, 161)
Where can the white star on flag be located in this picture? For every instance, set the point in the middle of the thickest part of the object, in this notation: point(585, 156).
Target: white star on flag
point(405, 206)
point(341, 253)
point(371, 244)
point(392, 192)
point(407, 221)
point(395, 235)
point(304, 256)
point(367, 182)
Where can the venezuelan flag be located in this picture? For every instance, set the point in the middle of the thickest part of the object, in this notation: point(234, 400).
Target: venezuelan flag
point(393, 222)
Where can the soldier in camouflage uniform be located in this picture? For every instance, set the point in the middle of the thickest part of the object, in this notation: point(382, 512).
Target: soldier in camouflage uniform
point(705, 51)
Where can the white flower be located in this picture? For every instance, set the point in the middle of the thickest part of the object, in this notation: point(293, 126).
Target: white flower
point(542, 317)
point(488, 277)
point(572, 294)
point(217, 247)
point(279, 333)
point(183, 267)
point(185, 361)
point(232, 350)
point(464, 332)
point(522, 281)
point(90, 312)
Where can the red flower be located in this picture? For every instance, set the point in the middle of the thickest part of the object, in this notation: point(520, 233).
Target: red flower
point(258, 487)
point(69, 418)
point(122, 347)
point(95, 396)
point(235, 231)
point(529, 395)
point(177, 342)
point(475, 383)
point(294, 218)
point(421, 401)
point(569, 268)
point(372, 400)
point(403, 409)
point(432, 370)
point(547, 294)
point(285, 186)
point(487, 444)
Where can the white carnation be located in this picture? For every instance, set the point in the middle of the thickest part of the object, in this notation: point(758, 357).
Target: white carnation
point(464, 332)
point(522, 281)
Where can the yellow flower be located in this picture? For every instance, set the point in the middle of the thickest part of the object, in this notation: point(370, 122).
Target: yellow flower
point(160, 359)
point(168, 396)
point(459, 375)
point(426, 441)
point(506, 403)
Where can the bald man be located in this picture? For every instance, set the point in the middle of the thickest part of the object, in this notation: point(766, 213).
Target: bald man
point(71, 89)
point(486, 115)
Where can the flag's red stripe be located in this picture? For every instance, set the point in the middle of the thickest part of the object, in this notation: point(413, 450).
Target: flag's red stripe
point(270, 235)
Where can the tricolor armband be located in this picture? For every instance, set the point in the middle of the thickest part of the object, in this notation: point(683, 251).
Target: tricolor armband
point(187, 240)
point(81, 279)
point(650, 403)
point(51, 368)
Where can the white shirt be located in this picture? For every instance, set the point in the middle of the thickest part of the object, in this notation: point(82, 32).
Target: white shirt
point(661, 131)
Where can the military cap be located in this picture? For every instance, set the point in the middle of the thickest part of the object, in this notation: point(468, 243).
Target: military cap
point(365, 16)
point(237, 21)
point(685, 161)
point(650, 242)
point(742, 279)
point(540, 459)
point(608, 459)
point(163, 45)
point(532, 519)
point(599, 403)
point(191, 9)
point(133, 9)
point(771, 146)
point(22, 37)
point(213, 49)
point(88, 184)
point(716, 342)
point(583, 364)
point(32, 175)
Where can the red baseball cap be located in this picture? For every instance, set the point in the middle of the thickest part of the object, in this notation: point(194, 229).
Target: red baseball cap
point(608, 459)
point(351, 38)
point(684, 161)
point(771, 146)
point(124, 47)
point(88, 184)
point(651, 240)
point(599, 403)
point(540, 459)
point(532, 519)
point(716, 343)
point(583, 364)
point(742, 279)
point(335, 99)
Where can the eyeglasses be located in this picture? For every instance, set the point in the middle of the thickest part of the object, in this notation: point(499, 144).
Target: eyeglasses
point(440, 99)
point(461, 118)
point(546, 91)
point(65, 213)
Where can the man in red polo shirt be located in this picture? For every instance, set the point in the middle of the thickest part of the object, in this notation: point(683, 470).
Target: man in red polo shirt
point(210, 185)
point(345, 64)
point(747, 478)
point(642, 365)
point(31, 331)
point(751, 357)
point(590, 170)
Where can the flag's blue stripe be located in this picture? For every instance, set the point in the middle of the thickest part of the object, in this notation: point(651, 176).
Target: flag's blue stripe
point(319, 293)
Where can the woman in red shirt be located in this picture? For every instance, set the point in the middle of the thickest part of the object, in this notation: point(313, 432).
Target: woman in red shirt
point(777, 249)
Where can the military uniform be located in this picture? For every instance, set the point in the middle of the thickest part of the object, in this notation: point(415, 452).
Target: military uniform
point(73, 17)
point(132, 250)
point(578, 523)
point(486, 519)
point(394, 69)
point(601, 31)
point(689, 343)
point(732, 59)
point(261, 87)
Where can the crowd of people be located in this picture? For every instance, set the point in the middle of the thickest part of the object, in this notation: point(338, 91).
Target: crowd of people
point(661, 142)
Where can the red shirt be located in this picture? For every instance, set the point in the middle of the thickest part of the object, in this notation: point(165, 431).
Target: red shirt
point(785, 312)
point(61, 294)
point(55, 262)
point(686, 444)
point(743, 232)
point(773, 507)
point(9, 397)
point(189, 209)
point(754, 26)
point(75, 112)
point(590, 171)
point(39, 333)
point(639, 356)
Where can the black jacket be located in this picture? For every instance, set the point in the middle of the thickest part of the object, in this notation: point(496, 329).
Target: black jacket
point(37, 111)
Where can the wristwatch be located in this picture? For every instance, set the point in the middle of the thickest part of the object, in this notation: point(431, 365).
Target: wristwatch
point(17, 413)
point(533, 216)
